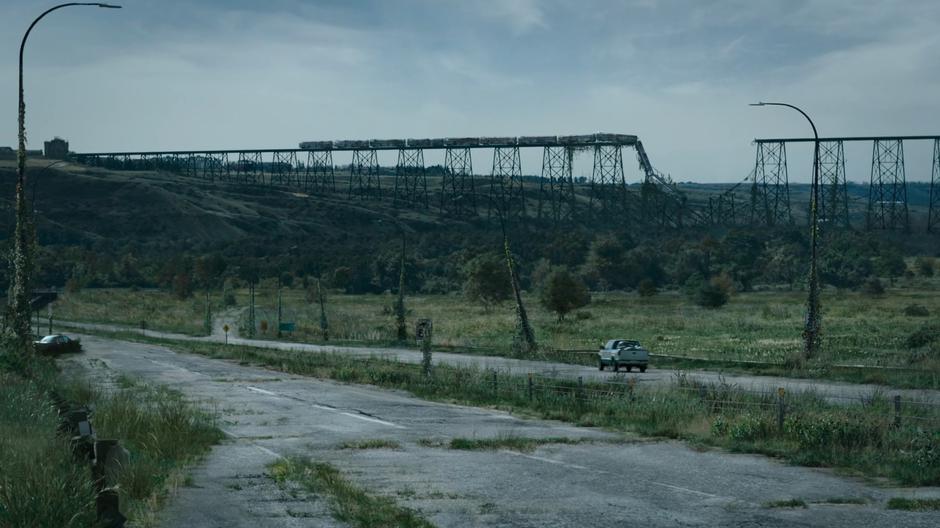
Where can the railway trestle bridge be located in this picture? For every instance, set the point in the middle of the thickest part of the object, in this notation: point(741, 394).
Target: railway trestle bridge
point(452, 189)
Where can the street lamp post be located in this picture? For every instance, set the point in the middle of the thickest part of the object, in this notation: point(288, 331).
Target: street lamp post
point(813, 316)
point(22, 260)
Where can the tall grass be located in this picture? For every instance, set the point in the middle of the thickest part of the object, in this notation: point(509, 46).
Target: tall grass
point(43, 484)
point(164, 433)
point(160, 309)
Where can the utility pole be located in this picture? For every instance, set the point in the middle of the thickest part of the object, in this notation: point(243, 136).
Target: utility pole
point(207, 324)
point(400, 305)
point(324, 324)
point(279, 311)
point(251, 309)
point(525, 336)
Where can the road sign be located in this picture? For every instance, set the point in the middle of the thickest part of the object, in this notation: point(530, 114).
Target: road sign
point(287, 327)
point(423, 329)
point(225, 328)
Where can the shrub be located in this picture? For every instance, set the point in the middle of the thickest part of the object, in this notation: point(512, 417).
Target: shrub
point(487, 279)
point(228, 299)
point(750, 427)
point(714, 293)
point(916, 310)
point(646, 288)
point(873, 286)
point(923, 336)
point(924, 266)
point(182, 286)
point(564, 292)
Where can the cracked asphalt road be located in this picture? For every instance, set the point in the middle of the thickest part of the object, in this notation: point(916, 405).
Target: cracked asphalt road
point(607, 481)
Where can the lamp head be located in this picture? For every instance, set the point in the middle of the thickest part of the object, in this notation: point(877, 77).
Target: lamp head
point(757, 104)
point(109, 6)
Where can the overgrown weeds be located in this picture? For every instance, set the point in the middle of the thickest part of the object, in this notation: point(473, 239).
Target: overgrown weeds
point(512, 443)
point(43, 484)
point(903, 503)
point(373, 443)
point(348, 502)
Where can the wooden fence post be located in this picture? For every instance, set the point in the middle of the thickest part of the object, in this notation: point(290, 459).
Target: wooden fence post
point(781, 409)
point(495, 385)
point(529, 386)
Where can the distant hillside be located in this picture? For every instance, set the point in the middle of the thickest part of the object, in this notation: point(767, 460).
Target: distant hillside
point(94, 218)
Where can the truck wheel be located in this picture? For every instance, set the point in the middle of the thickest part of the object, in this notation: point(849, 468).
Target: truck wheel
point(600, 365)
point(629, 368)
point(642, 369)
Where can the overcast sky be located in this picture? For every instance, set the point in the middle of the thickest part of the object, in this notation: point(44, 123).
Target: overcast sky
point(189, 74)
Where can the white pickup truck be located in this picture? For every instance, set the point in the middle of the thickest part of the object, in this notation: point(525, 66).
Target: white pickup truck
point(623, 353)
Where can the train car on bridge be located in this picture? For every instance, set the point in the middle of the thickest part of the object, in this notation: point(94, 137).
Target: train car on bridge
point(316, 145)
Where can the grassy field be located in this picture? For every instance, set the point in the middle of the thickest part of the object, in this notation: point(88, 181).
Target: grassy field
point(858, 437)
point(160, 309)
point(754, 326)
point(42, 484)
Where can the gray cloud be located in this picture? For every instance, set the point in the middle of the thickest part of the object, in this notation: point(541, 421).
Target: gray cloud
point(188, 74)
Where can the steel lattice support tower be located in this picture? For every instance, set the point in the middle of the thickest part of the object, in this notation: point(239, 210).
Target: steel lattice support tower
point(284, 169)
point(770, 192)
point(319, 175)
point(364, 174)
point(608, 183)
point(833, 196)
point(887, 193)
point(216, 167)
point(933, 215)
point(458, 196)
point(507, 195)
point(411, 182)
point(249, 168)
point(556, 170)
point(721, 209)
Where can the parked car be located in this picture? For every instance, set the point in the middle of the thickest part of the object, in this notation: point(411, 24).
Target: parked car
point(618, 353)
point(58, 344)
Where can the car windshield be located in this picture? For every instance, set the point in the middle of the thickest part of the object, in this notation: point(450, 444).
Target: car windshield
point(47, 339)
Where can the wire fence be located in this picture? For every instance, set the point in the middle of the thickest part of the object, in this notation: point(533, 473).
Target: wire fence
point(714, 398)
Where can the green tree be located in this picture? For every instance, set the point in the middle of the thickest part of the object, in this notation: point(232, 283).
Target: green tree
point(924, 266)
point(715, 292)
point(342, 277)
point(563, 292)
point(605, 266)
point(182, 286)
point(486, 280)
point(646, 288)
point(890, 264)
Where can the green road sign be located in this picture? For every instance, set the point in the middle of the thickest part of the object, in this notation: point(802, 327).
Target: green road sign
point(287, 327)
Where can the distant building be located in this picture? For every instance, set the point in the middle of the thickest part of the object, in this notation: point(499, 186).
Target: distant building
point(57, 148)
point(7, 153)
